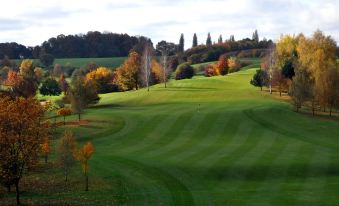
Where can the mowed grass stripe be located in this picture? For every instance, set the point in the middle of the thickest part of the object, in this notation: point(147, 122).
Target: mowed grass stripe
point(315, 180)
point(295, 175)
point(209, 141)
point(179, 136)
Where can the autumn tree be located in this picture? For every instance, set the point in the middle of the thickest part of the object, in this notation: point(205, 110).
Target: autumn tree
point(82, 94)
point(260, 79)
point(45, 149)
point(67, 152)
point(57, 70)
point(184, 71)
point(302, 88)
point(222, 65)
point(63, 84)
point(279, 81)
point(317, 55)
point(21, 134)
point(233, 64)
point(127, 75)
point(64, 112)
point(102, 78)
point(157, 72)
point(210, 70)
point(286, 55)
point(195, 40)
point(84, 154)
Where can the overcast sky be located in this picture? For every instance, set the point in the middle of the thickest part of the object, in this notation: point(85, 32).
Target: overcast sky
point(34, 21)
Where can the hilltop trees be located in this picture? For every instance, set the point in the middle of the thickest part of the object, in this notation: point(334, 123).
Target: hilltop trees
point(209, 40)
point(220, 39)
point(21, 134)
point(181, 46)
point(255, 36)
point(195, 40)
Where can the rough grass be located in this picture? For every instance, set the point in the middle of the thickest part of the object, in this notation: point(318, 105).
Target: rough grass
point(205, 141)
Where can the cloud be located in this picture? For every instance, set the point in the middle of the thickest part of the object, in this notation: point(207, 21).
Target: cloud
point(167, 19)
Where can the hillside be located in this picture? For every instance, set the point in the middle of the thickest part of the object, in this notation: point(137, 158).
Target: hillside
point(205, 141)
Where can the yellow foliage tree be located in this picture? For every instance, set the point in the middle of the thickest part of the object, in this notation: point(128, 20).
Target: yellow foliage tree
point(102, 77)
point(84, 154)
point(64, 112)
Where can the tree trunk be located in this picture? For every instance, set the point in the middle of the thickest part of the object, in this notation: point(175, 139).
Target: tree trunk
point(260, 88)
point(79, 116)
point(17, 192)
point(330, 110)
point(86, 183)
point(64, 120)
point(46, 158)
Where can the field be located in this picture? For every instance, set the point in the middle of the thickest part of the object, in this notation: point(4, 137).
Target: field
point(111, 62)
point(205, 141)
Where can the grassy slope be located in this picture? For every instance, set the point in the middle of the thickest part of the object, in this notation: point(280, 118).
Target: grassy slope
point(110, 62)
point(208, 141)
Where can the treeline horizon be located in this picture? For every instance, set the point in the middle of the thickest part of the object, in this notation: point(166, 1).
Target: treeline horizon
point(95, 44)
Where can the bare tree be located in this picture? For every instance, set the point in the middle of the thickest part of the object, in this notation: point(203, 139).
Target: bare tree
point(146, 64)
point(164, 66)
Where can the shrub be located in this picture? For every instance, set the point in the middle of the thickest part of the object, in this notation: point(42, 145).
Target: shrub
point(184, 71)
point(234, 64)
point(210, 70)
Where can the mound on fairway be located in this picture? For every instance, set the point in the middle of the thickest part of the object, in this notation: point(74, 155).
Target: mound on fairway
point(207, 141)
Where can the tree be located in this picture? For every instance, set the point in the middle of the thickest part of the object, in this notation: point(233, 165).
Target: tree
point(158, 72)
point(210, 70)
point(233, 64)
point(184, 71)
point(127, 75)
point(45, 149)
point(102, 78)
point(81, 94)
point(279, 80)
point(63, 83)
point(232, 38)
point(64, 112)
point(260, 79)
point(222, 65)
point(21, 134)
point(47, 59)
point(286, 55)
point(255, 36)
point(195, 40)
point(50, 87)
point(181, 46)
point(67, 152)
point(84, 154)
point(301, 89)
point(220, 39)
point(57, 71)
point(146, 65)
point(209, 40)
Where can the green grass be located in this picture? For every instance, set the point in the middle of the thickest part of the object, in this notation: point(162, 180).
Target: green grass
point(111, 62)
point(205, 141)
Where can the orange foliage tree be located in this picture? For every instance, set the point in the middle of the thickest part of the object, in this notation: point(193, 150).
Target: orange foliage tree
point(64, 112)
point(45, 149)
point(84, 154)
point(157, 72)
point(21, 134)
point(222, 66)
point(102, 77)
